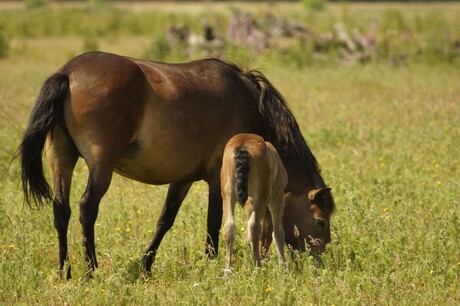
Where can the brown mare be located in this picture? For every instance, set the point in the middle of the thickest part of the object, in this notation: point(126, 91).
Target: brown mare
point(156, 123)
point(254, 175)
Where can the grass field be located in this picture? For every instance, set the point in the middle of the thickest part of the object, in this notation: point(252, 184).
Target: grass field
point(387, 138)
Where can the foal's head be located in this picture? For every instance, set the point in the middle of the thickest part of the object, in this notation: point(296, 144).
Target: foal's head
point(306, 219)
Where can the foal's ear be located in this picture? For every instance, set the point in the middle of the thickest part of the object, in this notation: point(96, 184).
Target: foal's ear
point(316, 194)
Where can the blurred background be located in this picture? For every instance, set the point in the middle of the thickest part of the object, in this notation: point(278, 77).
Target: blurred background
point(296, 33)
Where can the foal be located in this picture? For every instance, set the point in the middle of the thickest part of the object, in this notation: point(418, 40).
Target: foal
point(253, 174)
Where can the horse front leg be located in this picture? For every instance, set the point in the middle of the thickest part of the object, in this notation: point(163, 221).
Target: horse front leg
point(214, 219)
point(176, 194)
point(98, 183)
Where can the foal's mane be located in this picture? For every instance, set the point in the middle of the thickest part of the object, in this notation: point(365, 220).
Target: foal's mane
point(282, 130)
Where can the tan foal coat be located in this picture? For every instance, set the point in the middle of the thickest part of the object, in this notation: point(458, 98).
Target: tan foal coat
point(254, 175)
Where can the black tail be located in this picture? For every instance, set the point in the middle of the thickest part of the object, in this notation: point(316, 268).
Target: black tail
point(241, 158)
point(46, 113)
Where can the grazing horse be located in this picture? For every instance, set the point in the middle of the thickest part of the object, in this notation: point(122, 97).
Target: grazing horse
point(305, 222)
point(254, 175)
point(156, 123)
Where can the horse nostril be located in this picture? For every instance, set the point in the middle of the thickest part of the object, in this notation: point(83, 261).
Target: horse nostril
point(321, 222)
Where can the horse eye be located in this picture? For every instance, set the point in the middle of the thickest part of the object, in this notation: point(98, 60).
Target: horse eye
point(321, 222)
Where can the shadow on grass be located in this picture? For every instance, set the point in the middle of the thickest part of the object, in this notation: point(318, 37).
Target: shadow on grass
point(135, 271)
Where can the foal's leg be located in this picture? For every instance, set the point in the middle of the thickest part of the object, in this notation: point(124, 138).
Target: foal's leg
point(62, 156)
point(256, 212)
point(98, 183)
point(176, 194)
point(277, 209)
point(266, 236)
point(229, 226)
point(214, 220)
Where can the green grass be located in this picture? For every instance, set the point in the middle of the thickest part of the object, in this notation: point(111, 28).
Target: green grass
point(387, 139)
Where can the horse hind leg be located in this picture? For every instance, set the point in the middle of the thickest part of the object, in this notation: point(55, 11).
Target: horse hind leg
point(62, 157)
point(266, 236)
point(99, 180)
point(277, 210)
point(256, 213)
point(229, 231)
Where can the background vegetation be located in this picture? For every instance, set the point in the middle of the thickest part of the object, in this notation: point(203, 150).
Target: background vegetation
point(385, 130)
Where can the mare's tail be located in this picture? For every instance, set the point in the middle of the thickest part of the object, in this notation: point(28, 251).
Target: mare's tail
point(47, 112)
point(241, 158)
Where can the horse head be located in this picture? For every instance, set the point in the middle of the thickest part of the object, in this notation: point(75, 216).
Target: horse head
point(307, 219)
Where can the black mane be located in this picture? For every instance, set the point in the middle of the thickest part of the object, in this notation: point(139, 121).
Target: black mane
point(283, 130)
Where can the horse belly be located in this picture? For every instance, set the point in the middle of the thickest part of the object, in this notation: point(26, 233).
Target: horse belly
point(163, 152)
point(157, 167)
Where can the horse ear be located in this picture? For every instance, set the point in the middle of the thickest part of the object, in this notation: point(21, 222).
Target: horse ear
point(316, 194)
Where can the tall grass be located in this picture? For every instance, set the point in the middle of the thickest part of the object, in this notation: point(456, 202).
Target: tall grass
point(386, 137)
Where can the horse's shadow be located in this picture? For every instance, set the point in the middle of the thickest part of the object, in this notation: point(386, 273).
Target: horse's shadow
point(135, 271)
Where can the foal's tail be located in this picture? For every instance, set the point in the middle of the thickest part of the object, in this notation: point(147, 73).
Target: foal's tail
point(47, 112)
point(241, 158)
